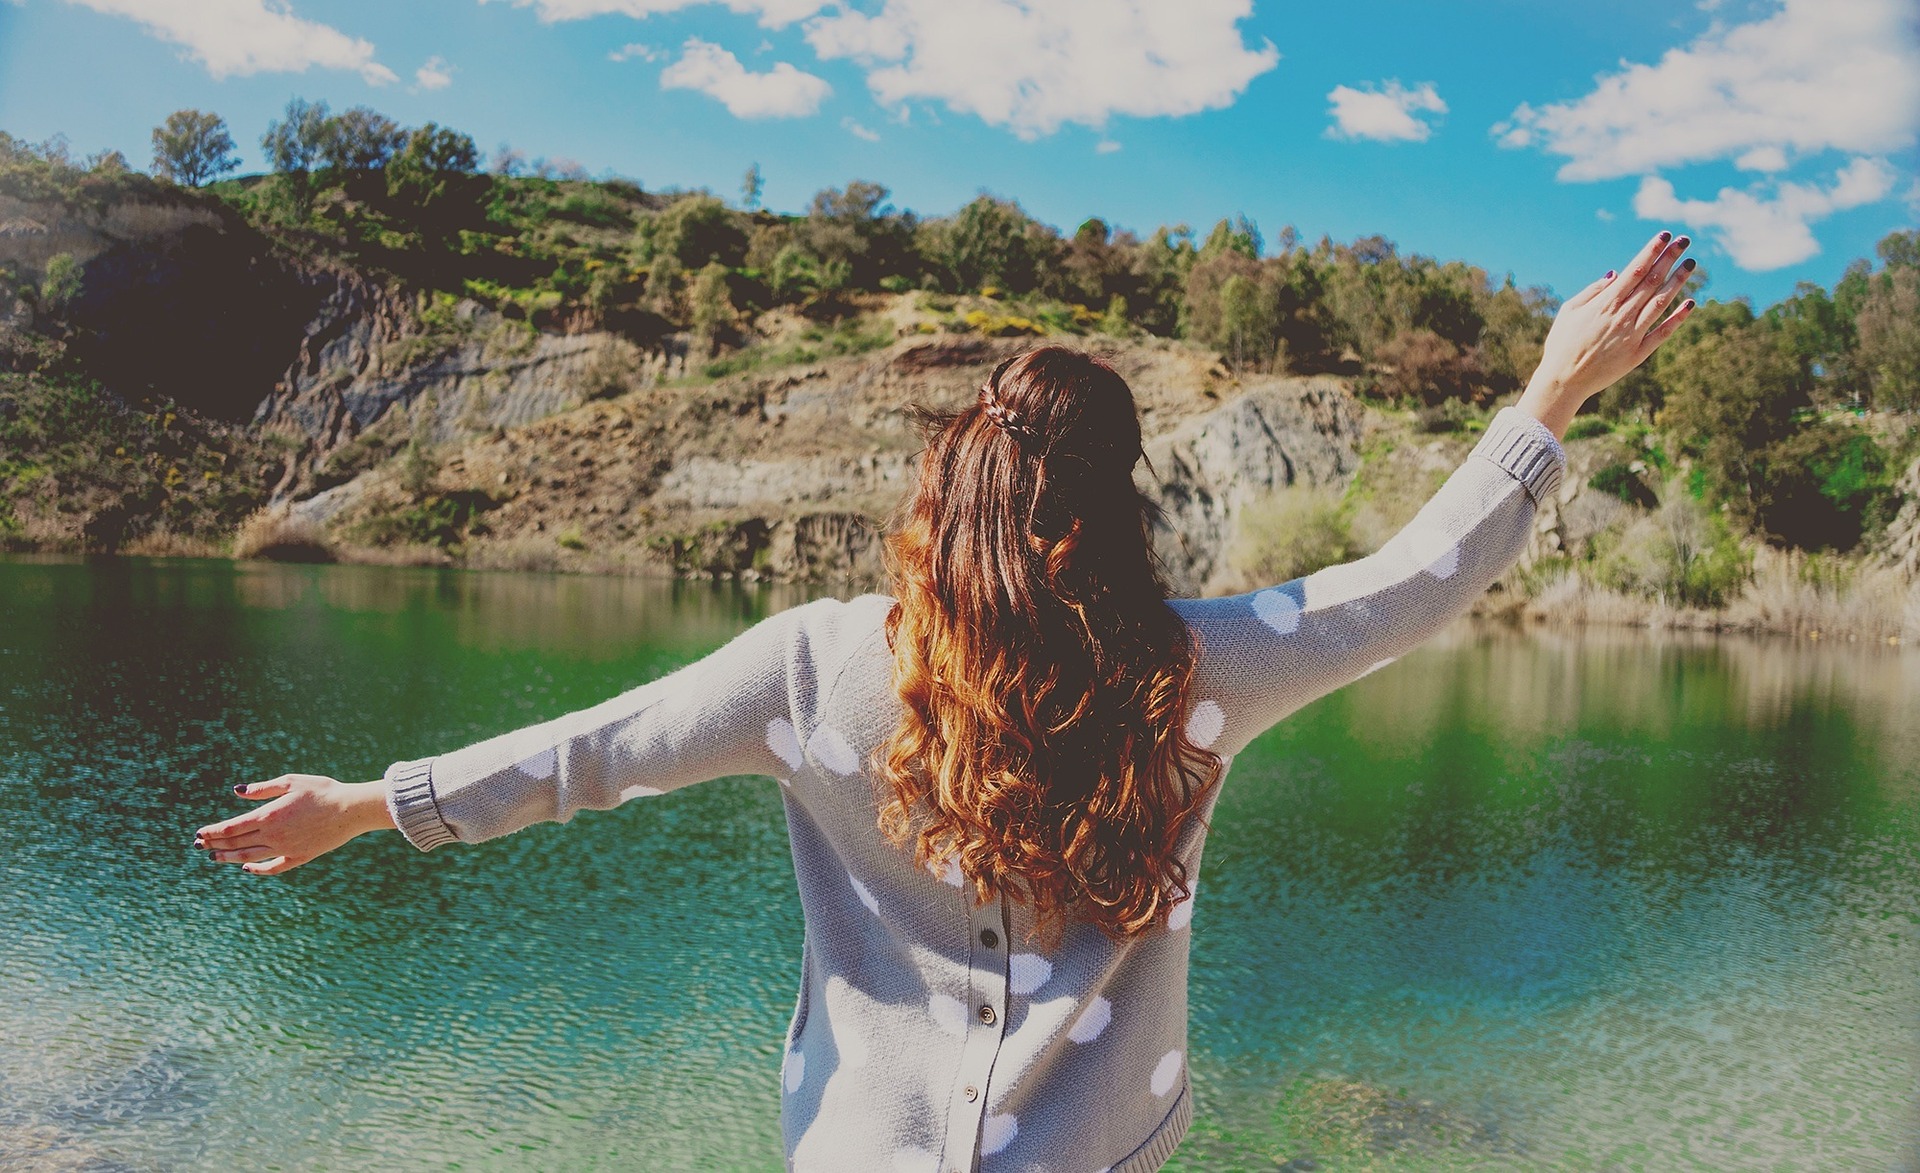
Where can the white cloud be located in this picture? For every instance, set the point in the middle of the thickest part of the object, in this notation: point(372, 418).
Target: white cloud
point(1762, 230)
point(1815, 75)
point(1385, 114)
point(434, 75)
point(1603, 215)
point(1768, 159)
point(782, 92)
point(772, 13)
point(1034, 65)
point(1106, 146)
point(860, 132)
point(636, 51)
point(236, 38)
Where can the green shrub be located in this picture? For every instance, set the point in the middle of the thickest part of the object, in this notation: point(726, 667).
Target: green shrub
point(1682, 554)
point(61, 282)
point(1620, 480)
point(440, 519)
point(1586, 427)
point(1292, 532)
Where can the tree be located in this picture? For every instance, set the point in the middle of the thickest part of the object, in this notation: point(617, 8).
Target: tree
point(993, 242)
point(1888, 326)
point(751, 187)
point(294, 144)
point(695, 230)
point(435, 162)
point(298, 141)
point(192, 147)
point(711, 307)
point(361, 140)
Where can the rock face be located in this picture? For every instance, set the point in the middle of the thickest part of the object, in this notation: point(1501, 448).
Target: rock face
point(1213, 466)
point(367, 360)
point(789, 474)
point(1903, 535)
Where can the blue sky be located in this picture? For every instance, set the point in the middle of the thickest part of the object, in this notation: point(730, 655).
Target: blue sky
point(1534, 137)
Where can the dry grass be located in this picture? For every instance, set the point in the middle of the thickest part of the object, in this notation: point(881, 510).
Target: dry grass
point(164, 543)
point(273, 534)
point(1864, 601)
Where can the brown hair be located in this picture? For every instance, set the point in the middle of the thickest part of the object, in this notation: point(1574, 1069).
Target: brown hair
point(1044, 680)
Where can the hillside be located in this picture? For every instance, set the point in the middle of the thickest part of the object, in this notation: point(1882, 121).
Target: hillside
point(540, 372)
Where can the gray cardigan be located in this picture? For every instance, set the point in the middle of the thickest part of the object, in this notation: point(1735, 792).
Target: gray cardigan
point(932, 1035)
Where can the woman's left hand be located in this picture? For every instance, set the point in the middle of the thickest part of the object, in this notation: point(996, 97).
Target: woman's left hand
point(305, 816)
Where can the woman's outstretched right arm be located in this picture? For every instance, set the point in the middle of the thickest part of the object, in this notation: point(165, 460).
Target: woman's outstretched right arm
point(1267, 653)
point(727, 713)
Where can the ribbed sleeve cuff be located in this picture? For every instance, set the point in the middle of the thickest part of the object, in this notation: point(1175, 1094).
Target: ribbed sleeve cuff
point(415, 811)
point(1527, 449)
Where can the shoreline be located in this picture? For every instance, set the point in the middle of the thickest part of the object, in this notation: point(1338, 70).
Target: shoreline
point(1566, 604)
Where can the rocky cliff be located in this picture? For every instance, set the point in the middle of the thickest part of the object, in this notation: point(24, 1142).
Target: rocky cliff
point(788, 474)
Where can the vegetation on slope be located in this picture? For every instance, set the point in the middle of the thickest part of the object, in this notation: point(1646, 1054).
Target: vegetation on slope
point(1786, 427)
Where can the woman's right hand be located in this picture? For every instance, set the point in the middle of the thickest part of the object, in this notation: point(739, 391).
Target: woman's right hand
point(1606, 330)
point(304, 817)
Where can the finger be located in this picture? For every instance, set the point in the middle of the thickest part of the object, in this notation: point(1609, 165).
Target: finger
point(271, 867)
point(244, 854)
point(1662, 266)
point(1665, 330)
point(1642, 262)
point(273, 788)
point(243, 837)
point(238, 825)
point(1669, 289)
point(1587, 294)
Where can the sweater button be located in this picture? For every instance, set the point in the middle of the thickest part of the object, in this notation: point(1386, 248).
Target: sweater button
point(972, 1093)
point(989, 938)
point(986, 1015)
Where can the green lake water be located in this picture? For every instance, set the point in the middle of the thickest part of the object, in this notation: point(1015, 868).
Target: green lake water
point(1584, 901)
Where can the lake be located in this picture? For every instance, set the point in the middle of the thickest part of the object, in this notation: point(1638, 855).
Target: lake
point(1593, 900)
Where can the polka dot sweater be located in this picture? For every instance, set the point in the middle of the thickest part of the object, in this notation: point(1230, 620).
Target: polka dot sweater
point(932, 1035)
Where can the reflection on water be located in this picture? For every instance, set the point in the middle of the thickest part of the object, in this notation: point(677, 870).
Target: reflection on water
point(1601, 900)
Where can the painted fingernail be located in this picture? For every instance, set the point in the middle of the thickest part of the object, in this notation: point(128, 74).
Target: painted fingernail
point(1687, 304)
point(241, 789)
point(1684, 241)
point(1609, 275)
point(1665, 237)
point(214, 856)
point(198, 844)
point(1687, 264)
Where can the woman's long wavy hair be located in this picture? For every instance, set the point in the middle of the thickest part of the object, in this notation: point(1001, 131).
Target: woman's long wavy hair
point(1044, 679)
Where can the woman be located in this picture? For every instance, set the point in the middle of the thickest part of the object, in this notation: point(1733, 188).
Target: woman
point(997, 782)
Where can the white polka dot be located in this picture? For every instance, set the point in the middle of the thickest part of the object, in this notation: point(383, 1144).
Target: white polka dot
point(1044, 1019)
point(947, 873)
point(1092, 1021)
point(1278, 610)
point(796, 1071)
point(845, 1008)
point(1180, 914)
point(1166, 1073)
point(541, 765)
point(832, 750)
point(997, 1132)
point(949, 1014)
point(1027, 972)
point(865, 896)
point(633, 792)
point(1205, 724)
point(915, 1161)
point(1434, 552)
point(785, 743)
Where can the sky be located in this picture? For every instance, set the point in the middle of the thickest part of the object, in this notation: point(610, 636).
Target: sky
point(1535, 138)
